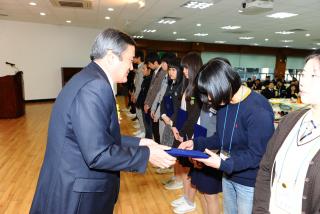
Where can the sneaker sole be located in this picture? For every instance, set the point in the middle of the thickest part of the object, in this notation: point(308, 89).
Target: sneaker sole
point(185, 211)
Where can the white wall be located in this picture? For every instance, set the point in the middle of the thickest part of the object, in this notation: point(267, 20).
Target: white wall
point(40, 50)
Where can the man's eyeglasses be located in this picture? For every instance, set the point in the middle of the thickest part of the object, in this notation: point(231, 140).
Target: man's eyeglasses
point(305, 74)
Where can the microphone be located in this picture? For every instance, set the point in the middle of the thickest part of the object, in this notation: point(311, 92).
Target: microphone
point(11, 64)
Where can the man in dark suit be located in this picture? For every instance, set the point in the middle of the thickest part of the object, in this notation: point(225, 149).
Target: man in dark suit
point(85, 151)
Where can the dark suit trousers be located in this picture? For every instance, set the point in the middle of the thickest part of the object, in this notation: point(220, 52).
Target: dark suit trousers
point(155, 131)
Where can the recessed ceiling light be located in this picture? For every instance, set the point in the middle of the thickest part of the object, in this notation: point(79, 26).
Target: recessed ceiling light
point(107, 17)
point(42, 14)
point(314, 48)
point(220, 42)
point(246, 37)
point(240, 11)
point(167, 20)
point(255, 44)
point(149, 31)
point(198, 25)
point(230, 27)
point(137, 37)
point(174, 33)
point(308, 34)
point(284, 32)
point(68, 21)
point(110, 9)
point(201, 34)
point(281, 15)
point(286, 46)
point(32, 3)
point(318, 43)
point(181, 39)
point(287, 40)
point(266, 39)
point(197, 5)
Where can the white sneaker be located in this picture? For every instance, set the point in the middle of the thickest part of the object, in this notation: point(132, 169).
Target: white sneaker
point(178, 202)
point(164, 171)
point(174, 185)
point(184, 208)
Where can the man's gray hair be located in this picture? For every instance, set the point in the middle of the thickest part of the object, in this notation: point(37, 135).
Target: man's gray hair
point(110, 39)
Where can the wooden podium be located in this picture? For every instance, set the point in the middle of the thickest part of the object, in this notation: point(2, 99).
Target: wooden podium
point(12, 96)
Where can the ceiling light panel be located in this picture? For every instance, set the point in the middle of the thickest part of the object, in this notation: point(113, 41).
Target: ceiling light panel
point(230, 27)
point(197, 5)
point(149, 30)
point(181, 39)
point(167, 20)
point(220, 42)
point(284, 32)
point(282, 15)
point(201, 34)
point(246, 37)
point(287, 40)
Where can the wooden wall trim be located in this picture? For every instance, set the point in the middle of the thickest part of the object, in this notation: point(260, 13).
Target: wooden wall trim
point(185, 47)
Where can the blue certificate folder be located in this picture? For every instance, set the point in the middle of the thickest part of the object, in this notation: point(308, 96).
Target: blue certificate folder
point(181, 118)
point(168, 103)
point(186, 153)
point(199, 131)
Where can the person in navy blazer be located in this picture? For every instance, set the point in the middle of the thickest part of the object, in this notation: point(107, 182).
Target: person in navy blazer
point(85, 150)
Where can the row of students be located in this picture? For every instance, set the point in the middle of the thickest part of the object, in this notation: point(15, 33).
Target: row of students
point(244, 127)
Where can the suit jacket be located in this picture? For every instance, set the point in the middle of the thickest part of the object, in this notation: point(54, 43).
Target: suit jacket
point(155, 86)
point(138, 80)
point(157, 101)
point(85, 151)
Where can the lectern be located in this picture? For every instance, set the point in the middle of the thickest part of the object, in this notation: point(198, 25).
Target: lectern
point(12, 96)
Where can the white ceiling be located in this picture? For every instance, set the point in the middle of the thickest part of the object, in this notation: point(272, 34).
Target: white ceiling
point(128, 17)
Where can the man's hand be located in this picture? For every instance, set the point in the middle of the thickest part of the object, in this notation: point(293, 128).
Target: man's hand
point(159, 157)
point(147, 142)
point(213, 161)
point(187, 145)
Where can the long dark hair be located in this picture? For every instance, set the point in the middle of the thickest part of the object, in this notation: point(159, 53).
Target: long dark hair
point(219, 81)
point(193, 62)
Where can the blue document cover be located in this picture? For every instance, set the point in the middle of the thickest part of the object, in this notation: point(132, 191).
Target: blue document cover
point(181, 118)
point(186, 153)
point(168, 103)
point(199, 131)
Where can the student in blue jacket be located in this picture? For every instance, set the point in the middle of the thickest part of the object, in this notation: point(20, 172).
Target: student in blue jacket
point(244, 126)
